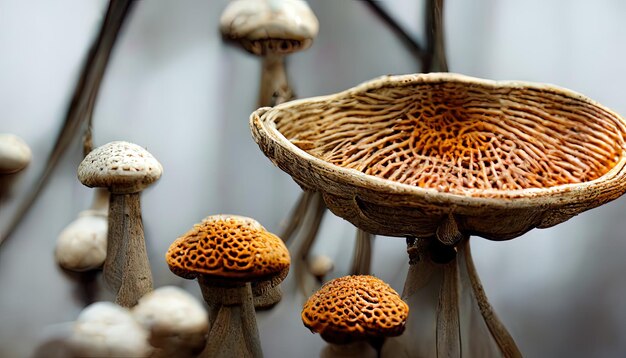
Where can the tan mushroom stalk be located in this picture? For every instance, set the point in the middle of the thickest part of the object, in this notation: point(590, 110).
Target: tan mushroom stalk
point(177, 322)
point(350, 311)
point(271, 29)
point(125, 169)
point(438, 157)
point(229, 254)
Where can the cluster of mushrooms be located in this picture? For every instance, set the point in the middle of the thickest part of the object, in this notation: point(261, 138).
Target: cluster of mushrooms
point(432, 158)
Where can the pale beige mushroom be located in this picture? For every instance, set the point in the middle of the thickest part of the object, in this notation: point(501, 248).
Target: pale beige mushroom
point(15, 154)
point(104, 329)
point(271, 29)
point(82, 245)
point(177, 322)
point(125, 169)
point(228, 255)
point(437, 157)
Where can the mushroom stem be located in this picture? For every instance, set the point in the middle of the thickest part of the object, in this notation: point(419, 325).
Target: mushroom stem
point(362, 258)
point(455, 315)
point(233, 331)
point(274, 86)
point(126, 268)
point(297, 215)
point(317, 208)
point(358, 349)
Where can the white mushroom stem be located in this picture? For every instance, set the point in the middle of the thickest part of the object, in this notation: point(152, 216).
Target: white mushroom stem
point(274, 87)
point(315, 213)
point(126, 268)
point(454, 314)
point(362, 257)
point(359, 349)
point(233, 330)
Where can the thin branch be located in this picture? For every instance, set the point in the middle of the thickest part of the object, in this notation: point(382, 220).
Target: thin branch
point(81, 107)
point(414, 47)
point(436, 59)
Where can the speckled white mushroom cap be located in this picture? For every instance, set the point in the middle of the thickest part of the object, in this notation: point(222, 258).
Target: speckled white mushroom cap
point(15, 154)
point(104, 329)
point(270, 26)
point(173, 317)
point(82, 245)
point(120, 166)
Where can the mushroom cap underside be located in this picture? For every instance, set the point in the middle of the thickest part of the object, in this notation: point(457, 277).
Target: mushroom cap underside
point(122, 167)
point(398, 152)
point(353, 308)
point(229, 249)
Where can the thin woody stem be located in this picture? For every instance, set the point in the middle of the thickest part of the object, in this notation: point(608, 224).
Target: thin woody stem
point(274, 86)
point(297, 215)
point(317, 209)
point(361, 261)
point(81, 106)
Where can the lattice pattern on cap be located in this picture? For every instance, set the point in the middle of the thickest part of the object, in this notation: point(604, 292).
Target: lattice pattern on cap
point(355, 307)
point(459, 136)
point(229, 247)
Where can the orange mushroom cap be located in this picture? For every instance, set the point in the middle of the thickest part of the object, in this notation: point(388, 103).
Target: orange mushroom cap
point(353, 308)
point(229, 247)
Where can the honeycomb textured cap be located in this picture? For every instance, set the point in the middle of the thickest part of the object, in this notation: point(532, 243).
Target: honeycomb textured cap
point(356, 307)
point(279, 26)
point(120, 166)
point(229, 247)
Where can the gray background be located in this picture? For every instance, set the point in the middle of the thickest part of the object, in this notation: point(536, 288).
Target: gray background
point(176, 89)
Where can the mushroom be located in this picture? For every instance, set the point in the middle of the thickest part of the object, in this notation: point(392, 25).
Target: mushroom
point(82, 245)
point(230, 254)
point(125, 169)
point(104, 329)
point(350, 311)
point(15, 154)
point(177, 322)
point(271, 29)
point(320, 266)
point(438, 157)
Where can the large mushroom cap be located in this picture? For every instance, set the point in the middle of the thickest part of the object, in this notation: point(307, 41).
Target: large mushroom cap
point(229, 247)
point(397, 155)
point(15, 154)
point(269, 26)
point(353, 308)
point(120, 166)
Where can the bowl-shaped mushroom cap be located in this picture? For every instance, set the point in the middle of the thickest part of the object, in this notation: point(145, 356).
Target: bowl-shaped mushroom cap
point(15, 154)
point(398, 155)
point(120, 166)
point(104, 329)
point(230, 248)
point(269, 26)
point(353, 308)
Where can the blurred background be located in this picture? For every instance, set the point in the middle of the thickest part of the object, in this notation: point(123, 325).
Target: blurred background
point(173, 87)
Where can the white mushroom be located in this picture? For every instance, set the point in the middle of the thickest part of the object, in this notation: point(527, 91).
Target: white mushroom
point(320, 266)
point(105, 329)
point(82, 245)
point(15, 154)
point(272, 29)
point(177, 322)
point(125, 169)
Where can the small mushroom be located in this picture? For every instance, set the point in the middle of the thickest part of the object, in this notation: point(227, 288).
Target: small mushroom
point(177, 322)
point(350, 311)
point(104, 329)
point(82, 245)
point(125, 169)
point(320, 266)
point(15, 154)
point(228, 254)
point(271, 29)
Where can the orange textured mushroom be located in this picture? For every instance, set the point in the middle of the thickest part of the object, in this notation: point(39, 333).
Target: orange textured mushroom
point(353, 308)
point(229, 247)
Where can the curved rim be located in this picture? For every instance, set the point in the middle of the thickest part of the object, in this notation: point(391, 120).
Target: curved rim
point(518, 198)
